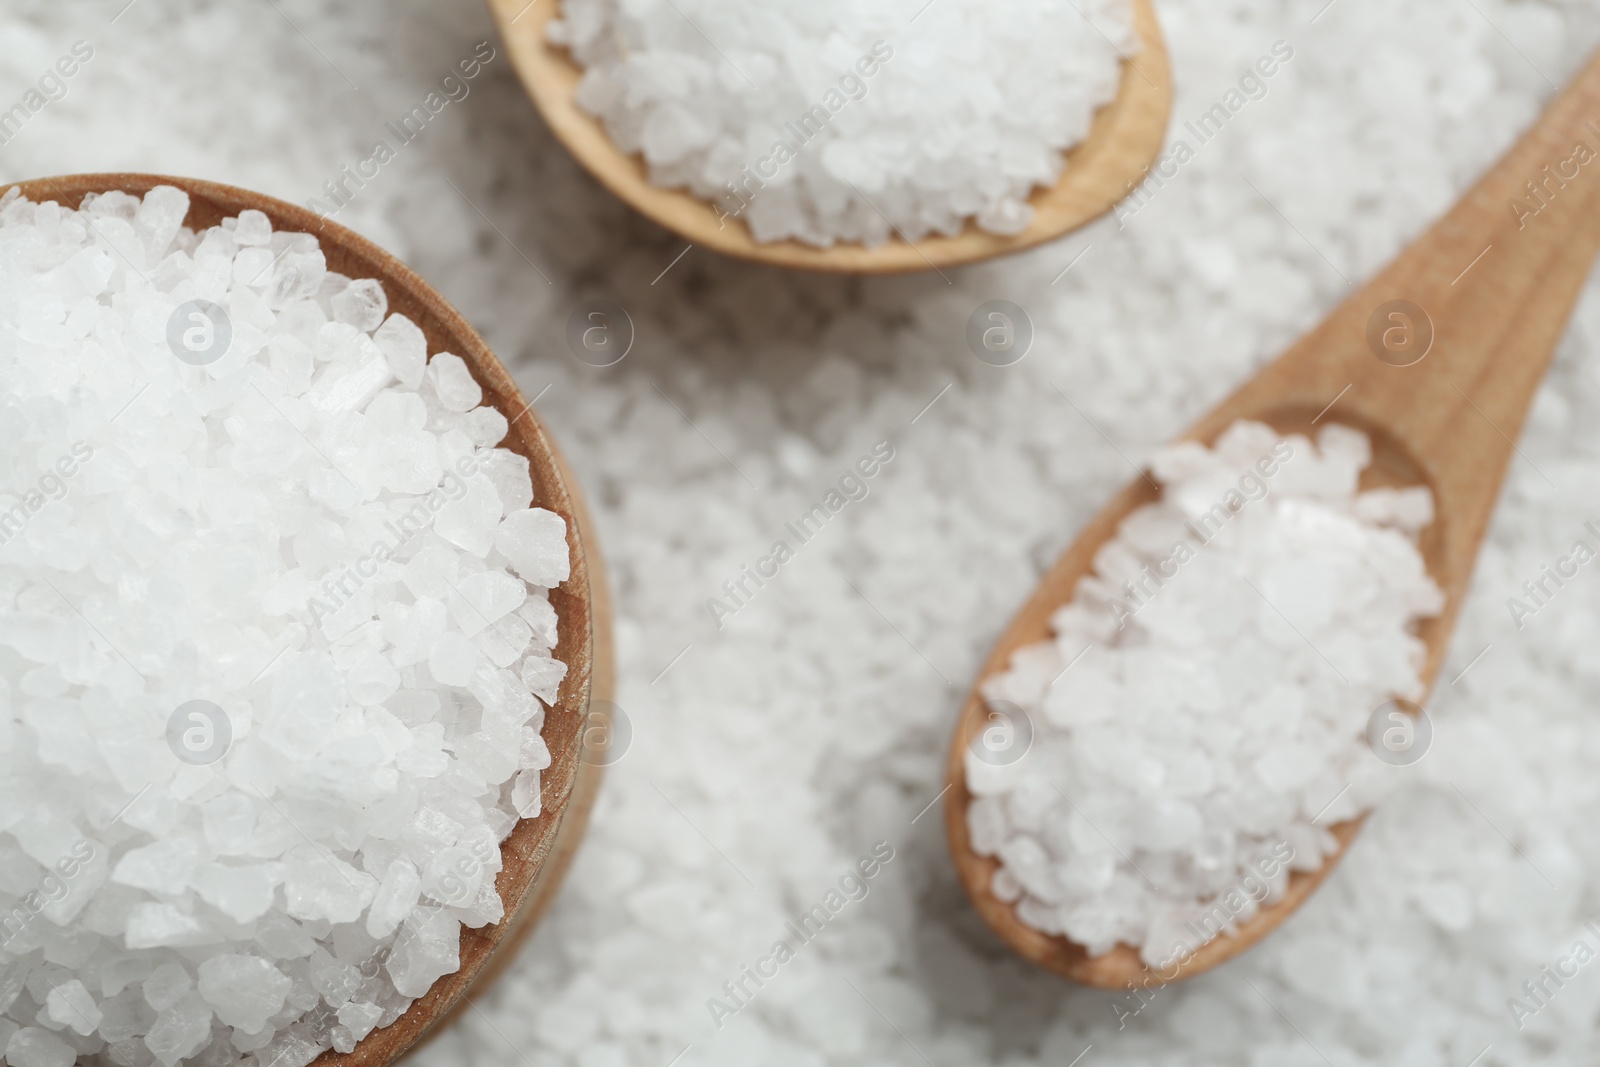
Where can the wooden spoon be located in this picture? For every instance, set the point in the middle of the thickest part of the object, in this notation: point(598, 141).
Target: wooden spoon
point(1492, 286)
point(537, 853)
point(1123, 141)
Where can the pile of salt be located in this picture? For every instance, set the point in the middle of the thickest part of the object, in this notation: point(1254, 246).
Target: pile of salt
point(1158, 769)
point(831, 121)
point(275, 643)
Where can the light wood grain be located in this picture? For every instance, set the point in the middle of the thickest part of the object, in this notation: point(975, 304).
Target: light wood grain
point(1126, 135)
point(1447, 422)
point(538, 851)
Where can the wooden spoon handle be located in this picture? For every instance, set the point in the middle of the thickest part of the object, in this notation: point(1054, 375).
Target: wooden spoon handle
point(1492, 284)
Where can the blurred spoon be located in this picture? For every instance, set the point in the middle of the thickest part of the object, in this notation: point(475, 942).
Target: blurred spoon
point(1124, 139)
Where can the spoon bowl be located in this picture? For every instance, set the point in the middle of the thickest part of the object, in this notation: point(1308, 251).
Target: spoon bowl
point(1123, 141)
point(1442, 390)
point(536, 854)
point(1122, 966)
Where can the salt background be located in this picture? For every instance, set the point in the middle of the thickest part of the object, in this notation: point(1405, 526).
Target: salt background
point(772, 754)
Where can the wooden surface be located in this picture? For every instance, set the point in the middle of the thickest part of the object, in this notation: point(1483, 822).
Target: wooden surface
point(536, 854)
point(1125, 138)
point(1447, 421)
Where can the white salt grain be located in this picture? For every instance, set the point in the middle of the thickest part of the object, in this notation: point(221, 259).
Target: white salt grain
point(166, 985)
point(453, 659)
point(69, 1004)
point(244, 991)
point(362, 304)
point(534, 541)
point(251, 228)
point(33, 1047)
point(303, 632)
point(831, 121)
point(1158, 768)
point(359, 1019)
point(457, 389)
point(407, 349)
point(179, 1032)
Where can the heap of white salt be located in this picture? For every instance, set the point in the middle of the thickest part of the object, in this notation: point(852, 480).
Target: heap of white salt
point(274, 638)
point(827, 120)
point(1197, 722)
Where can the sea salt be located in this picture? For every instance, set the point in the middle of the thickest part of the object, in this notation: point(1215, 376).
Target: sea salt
point(811, 727)
point(265, 620)
point(1154, 773)
point(833, 121)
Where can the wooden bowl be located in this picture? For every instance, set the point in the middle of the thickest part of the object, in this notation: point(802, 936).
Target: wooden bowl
point(537, 853)
point(1123, 141)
